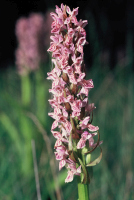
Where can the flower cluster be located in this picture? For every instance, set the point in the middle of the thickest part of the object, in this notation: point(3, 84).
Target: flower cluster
point(72, 113)
point(31, 50)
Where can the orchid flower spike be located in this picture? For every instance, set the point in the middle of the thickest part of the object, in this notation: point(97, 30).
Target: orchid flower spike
point(72, 112)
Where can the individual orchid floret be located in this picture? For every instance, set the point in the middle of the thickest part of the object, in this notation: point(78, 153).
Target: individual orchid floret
point(84, 137)
point(72, 112)
point(72, 170)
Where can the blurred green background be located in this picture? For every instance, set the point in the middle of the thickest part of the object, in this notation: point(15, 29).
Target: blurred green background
point(25, 124)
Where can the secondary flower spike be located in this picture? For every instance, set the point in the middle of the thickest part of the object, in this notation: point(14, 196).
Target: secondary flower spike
point(72, 112)
point(30, 32)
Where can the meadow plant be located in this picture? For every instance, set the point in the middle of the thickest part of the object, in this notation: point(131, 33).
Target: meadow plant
point(30, 54)
point(72, 126)
point(30, 33)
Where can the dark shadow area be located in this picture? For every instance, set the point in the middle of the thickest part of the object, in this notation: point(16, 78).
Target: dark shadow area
point(113, 21)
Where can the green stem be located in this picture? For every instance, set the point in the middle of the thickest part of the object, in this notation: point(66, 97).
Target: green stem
point(40, 96)
point(83, 191)
point(25, 90)
point(25, 124)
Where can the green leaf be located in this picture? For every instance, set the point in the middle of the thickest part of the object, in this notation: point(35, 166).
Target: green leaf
point(96, 161)
point(84, 180)
point(11, 130)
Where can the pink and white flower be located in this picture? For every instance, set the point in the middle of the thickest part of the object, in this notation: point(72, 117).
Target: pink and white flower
point(70, 90)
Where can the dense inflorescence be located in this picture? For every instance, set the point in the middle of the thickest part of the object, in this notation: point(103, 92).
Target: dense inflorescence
point(72, 112)
point(30, 34)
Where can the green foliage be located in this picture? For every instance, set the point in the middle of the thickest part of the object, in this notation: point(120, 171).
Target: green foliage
point(112, 179)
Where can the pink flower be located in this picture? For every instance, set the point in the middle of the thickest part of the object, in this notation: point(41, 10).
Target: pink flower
point(70, 177)
point(73, 171)
point(84, 122)
point(61, 152)
point(84, 137)
point(72, 113)
point(93, 128)
point(31, 49)
point(62, 164)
